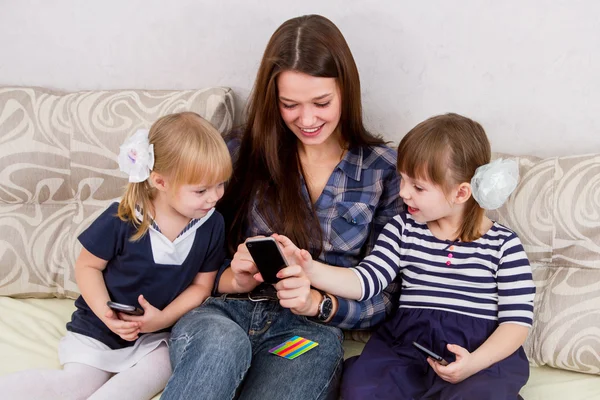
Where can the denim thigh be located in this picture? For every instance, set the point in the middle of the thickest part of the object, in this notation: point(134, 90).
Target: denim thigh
point(210, 352)
point(313, 375)
point(220, 351)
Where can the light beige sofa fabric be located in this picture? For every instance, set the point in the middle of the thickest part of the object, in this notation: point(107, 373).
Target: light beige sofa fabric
point(31, 329)
point(58, 171)
point(556, 212)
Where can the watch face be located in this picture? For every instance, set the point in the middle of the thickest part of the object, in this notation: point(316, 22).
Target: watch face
point(327, 306)
point(325, 309)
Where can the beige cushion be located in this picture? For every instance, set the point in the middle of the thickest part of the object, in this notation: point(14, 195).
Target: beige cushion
point(58, 168)
point(556, 212)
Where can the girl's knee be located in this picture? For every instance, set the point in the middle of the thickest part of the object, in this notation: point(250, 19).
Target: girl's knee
point(160, 356)
point(161, 364)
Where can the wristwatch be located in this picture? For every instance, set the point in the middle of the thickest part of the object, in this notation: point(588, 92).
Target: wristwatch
point(325, 308)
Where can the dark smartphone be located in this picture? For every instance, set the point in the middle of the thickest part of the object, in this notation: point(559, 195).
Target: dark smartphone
point(431, 354)
point(267, 256)
point(125, 309)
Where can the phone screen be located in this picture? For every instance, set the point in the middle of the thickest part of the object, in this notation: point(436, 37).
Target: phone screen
point(430, 353)
point(267, 257)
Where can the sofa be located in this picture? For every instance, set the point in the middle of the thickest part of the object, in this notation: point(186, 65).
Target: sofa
point(58, 171)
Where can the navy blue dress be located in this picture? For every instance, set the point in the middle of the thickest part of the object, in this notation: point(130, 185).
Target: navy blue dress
point(132, 269)
point(390, 367)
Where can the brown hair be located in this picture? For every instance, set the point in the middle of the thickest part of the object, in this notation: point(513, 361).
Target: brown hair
point(268, 166)
point(188, 150)
point(446, 150)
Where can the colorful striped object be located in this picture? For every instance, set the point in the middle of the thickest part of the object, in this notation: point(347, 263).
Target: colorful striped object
point(293, 347)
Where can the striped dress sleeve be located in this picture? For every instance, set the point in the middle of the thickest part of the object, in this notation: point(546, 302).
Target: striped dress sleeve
point(515, 284)
point(381, 267)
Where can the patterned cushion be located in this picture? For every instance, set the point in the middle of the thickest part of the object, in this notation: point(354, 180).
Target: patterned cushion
point(556, 212)
point(58, 168)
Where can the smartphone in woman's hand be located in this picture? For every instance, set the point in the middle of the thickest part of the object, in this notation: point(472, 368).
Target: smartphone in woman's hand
point(267, 256)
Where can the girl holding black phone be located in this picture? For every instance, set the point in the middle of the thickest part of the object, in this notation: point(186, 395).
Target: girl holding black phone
point(152, 257)
point(467, 289)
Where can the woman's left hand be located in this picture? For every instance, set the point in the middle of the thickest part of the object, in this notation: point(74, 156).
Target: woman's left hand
point(295, 293)
point(458, 370)
point(151, 321)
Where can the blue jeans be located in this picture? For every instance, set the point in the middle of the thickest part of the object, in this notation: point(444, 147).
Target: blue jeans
point(220, 351)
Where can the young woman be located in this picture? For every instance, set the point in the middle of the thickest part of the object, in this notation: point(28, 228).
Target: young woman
point(306, 167)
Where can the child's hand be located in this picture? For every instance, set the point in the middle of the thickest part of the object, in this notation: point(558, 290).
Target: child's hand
point(127, 330)
point(294, 255)
point(301, 268)
point(288, 248)
point(457, 371)
point(305, 261)
point(151, 321)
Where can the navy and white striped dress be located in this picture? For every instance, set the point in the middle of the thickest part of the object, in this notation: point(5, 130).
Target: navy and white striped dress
point(452, 292)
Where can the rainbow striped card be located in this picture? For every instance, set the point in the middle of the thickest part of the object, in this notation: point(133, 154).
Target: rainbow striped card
point(293, 347)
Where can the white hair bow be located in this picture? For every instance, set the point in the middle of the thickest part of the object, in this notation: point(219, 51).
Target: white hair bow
point(136, 156)
point(494, 182)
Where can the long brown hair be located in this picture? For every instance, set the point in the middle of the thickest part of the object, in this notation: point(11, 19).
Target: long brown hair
point(267, 168)
point(188, 150)
point(446, 150)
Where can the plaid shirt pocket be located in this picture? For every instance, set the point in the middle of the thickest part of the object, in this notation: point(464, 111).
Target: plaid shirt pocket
point(350, 228)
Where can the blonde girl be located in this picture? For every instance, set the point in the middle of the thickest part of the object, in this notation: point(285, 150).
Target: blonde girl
point(157, 250)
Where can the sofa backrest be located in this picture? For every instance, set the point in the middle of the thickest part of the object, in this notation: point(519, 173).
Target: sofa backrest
point(58, 172)
point(555, 210)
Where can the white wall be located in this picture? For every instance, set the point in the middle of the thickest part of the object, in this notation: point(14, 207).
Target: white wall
point(527, 70)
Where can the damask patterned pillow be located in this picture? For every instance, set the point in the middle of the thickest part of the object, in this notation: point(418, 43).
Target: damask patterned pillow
point(556, 212)
point(58, 171)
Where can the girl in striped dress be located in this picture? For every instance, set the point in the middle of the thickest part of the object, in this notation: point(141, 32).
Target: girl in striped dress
point(467, 290)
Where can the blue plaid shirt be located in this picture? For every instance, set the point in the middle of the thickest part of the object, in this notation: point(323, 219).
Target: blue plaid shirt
point(361, 195)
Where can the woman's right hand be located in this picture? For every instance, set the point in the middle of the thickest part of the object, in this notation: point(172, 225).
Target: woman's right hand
point(125, 329)
point(244, 269)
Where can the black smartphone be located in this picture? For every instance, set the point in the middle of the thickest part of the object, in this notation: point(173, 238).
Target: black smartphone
point(267, 256)
point(431, 354)
point(125, 309)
